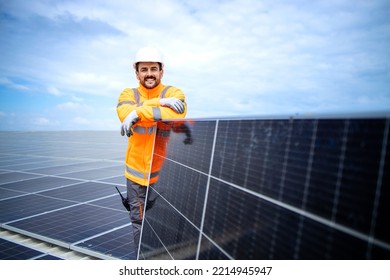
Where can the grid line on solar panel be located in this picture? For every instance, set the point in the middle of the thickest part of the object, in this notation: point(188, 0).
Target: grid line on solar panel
point(380, 181)
point(202, 249)
point(78, 167)
point(80, 193)
point(14, 162)
point(310, 215)
point(6, 193)
point(165, 239)
point(29, 166)
point(72, 224)
point(51, 178)
point(96, 173)
point(28, 206)
point(187, 201)
point(16, 176)
point(114, 180)
point(12, 251)
point(197, 154)
point(40, 184)
point(117, 243)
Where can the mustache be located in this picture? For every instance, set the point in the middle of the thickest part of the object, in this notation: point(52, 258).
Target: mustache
point(150, 77)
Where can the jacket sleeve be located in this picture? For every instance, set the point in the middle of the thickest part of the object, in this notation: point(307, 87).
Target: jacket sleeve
point(126, 103)
point(152, 111)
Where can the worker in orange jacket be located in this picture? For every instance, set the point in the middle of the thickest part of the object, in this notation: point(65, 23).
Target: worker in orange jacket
point(139, 109)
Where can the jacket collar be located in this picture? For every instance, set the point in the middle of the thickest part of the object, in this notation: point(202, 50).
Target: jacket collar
point(151, 93)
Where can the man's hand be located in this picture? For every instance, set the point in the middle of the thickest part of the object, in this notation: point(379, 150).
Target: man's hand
point(173, 103)
point(128, 122)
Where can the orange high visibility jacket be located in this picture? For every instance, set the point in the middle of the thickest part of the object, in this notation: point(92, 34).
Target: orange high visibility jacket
point(139, 152)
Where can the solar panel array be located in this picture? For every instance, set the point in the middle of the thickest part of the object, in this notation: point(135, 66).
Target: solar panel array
point(285, 188)
point(281, 188)
point(59, 187)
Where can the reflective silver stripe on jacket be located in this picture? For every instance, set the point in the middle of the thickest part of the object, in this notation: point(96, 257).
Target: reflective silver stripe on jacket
point(162, 94)
point(156, 113)
point(136, 95)
point(136, 173)
point(139, 174)
point(144, 130)
point(125, 102)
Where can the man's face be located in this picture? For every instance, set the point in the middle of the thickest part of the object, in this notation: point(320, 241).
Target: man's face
point(149, 74)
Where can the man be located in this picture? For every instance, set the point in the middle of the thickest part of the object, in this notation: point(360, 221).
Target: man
point(139, 110)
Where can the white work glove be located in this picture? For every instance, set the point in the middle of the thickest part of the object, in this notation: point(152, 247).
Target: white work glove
point(173, 103)
point(128, 122)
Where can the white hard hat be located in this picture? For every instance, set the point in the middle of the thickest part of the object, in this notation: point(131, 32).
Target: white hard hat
point(148, 54)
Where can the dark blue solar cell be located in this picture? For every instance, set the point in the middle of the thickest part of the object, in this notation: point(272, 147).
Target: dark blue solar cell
point(5, 193)
point(168, 229)
point(188, 197)
point(359, 180)
point(192, 144)
point(73, 224)
point(28, 205)
point(247, 227)
point(39, 184)
point(118, 243)
point(210, 252)
point(82, 192)
point(382, 196)
point(326, 167)
point(13, 251)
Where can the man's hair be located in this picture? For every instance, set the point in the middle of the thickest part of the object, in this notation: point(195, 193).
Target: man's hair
point(159, 64)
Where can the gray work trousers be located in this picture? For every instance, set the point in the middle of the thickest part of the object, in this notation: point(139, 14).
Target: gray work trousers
point(136, 195)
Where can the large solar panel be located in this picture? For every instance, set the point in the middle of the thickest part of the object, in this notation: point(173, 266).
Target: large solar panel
point(277, 188)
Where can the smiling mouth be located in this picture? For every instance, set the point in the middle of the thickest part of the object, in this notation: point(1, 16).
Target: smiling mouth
point(150, 79)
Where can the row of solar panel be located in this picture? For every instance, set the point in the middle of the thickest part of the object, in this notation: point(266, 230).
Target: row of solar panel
point(59, 187)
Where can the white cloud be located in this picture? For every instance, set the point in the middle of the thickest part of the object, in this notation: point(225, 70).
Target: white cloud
point(230, 57)
point(93, 83)
point(74, 106)
point(81, 121)
point(69, 106)
point(77, 99)
point(43, 122)
point(54, 91)
point(8, 83)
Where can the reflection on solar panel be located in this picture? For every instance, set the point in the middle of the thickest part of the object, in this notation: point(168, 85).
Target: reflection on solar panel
point(293, 188)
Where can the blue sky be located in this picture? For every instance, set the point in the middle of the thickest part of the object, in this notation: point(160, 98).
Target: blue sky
point(64, 63)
